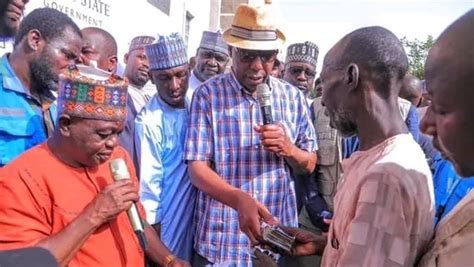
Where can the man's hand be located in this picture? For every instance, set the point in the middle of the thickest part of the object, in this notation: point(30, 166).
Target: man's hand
point(250, 212)
point(274, 139)
point(179, 263)
point(112, 200)
point(306, 243)
point(263, 260)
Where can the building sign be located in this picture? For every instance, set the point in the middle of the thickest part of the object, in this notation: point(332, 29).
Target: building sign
point(90, 12)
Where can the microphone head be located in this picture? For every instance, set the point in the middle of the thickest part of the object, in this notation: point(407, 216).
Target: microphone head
point(119, 169)
point(264, 94)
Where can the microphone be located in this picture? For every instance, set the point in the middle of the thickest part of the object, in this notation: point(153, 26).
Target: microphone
point(120, 172)
point(264, 99)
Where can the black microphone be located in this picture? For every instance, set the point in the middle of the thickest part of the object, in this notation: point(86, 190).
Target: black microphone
point(264, 99)
point(120, 172)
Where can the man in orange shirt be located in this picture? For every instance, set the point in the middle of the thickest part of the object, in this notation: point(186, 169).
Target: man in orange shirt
point(61, 196)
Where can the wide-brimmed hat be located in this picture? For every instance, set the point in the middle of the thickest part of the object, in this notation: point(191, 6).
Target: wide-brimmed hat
point(254, 28)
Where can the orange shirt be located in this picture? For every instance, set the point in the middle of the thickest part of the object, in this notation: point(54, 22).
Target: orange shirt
point(41, 195)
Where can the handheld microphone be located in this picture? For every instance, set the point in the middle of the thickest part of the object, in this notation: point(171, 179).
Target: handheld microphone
point(264, 99)
point(120, 172)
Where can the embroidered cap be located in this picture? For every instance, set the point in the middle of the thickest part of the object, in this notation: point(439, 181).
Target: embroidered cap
point(87, 92)
point(140, 42)
point(214, 41)
point(302, 52)
point(167, 52)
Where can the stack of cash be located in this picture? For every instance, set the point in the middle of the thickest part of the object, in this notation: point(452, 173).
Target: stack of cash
point(275, 236)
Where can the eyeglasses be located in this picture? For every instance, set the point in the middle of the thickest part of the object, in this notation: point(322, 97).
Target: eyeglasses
point(248, 56)
point(310, 74)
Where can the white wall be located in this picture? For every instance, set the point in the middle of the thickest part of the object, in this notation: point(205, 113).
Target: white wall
point(127, 19)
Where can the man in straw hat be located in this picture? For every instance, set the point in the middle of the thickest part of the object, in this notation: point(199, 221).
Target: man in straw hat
point(244, 168)
point(211, 59)
point(450, 85)
point(67, 200)
point(160, 129)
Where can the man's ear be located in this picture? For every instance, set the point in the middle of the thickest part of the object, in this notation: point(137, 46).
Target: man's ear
point(64, 124)
point(113, 64)
point(35, 40)
point(125, 58)
point(351, 78)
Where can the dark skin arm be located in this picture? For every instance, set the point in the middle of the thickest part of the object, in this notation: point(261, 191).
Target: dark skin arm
point(274, 139)
point(112, 200)
point(306, 243)
point(250, 211)
point(157, 251)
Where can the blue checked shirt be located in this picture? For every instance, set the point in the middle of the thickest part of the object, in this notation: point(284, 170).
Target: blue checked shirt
point(221, 131)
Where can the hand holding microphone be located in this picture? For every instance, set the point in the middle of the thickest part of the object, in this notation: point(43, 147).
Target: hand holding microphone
point(116, 198)
point(273, 136)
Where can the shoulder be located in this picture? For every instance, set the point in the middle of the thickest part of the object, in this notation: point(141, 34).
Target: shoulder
point(39, 154)
point(215, 84)
point(151, 112)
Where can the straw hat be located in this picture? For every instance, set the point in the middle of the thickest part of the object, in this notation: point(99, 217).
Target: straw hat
point(254, 28)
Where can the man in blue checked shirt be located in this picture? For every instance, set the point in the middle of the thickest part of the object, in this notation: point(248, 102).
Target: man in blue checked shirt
point(243, 169)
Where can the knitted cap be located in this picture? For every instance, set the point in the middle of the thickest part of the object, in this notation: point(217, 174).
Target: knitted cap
point(167, 52)
point(90, 93)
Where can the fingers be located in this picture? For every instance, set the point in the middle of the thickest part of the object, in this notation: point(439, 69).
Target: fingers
point(266, 215)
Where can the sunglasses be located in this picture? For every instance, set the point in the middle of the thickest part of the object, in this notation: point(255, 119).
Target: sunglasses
point(297, 70)
point(248, 56)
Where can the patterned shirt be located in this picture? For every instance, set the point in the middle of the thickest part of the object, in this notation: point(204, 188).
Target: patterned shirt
point(383, 209)
point(221, 131)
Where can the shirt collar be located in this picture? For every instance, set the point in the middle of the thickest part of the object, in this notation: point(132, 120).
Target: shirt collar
point(10, 79)
point(240, 89)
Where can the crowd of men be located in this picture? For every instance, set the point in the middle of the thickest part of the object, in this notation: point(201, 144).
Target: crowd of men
point(341, 166)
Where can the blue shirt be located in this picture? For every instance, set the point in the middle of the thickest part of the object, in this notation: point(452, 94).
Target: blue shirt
point(21, 116)
point(449, 188)
point(166, 191)
point(221, 132)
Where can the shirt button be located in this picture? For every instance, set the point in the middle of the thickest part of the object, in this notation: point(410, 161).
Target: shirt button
point(335, 243)
point(256, 146)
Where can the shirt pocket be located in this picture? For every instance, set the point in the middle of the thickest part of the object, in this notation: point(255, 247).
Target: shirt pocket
point(16, 136)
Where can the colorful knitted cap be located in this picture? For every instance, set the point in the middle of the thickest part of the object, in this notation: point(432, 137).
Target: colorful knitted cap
point(140, 42)
point(167, 52)
point(302, 52)
point(90, 93)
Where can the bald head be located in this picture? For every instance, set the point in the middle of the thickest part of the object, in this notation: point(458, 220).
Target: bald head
point(450, 63)
point(99, 46)
point(412, 89)
point(377, 52)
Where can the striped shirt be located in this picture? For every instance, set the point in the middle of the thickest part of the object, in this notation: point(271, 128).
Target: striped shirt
point(221, 131)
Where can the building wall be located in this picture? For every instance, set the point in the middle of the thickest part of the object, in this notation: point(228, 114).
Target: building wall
point(127, 19)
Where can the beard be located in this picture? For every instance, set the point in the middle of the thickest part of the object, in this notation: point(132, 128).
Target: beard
point(341, 121)
point(42, 75)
